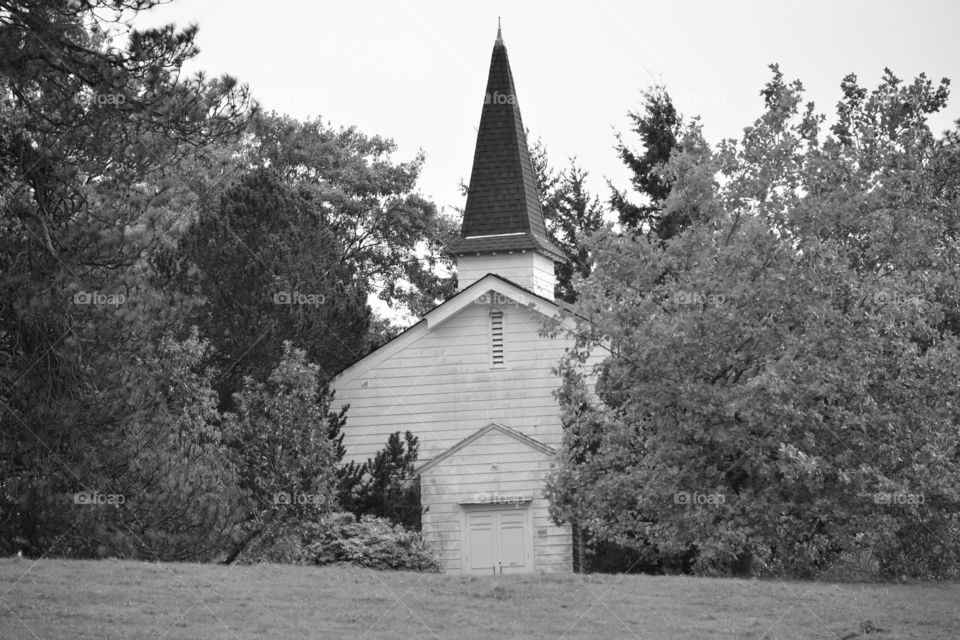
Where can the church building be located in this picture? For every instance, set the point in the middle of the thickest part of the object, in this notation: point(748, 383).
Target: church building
point(472, 379)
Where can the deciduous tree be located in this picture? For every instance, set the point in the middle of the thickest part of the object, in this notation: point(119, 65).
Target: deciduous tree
point(781, 385)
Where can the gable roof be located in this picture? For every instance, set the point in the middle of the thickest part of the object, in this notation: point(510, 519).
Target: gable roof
point(493, 426)
point(448, 309)
point(503, 207)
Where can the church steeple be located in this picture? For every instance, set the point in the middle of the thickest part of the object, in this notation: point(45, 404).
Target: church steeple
point(503, 229)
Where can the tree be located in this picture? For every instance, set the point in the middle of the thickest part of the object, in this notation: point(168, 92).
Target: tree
point(780, 391)
point(571, 214)
point(279, 441)
point(385, 486)
point(88, 132)
point(391, 235)
point(659, 127)
point(255, 266)
point(316, 221)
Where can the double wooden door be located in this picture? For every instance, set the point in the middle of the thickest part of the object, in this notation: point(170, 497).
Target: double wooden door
point(497, 541)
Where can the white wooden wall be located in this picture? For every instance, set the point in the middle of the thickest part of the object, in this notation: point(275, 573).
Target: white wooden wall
point(530, 270)
point(495, 464)
point(444, 388)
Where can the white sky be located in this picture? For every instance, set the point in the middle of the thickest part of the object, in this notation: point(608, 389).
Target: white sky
point(416, 71)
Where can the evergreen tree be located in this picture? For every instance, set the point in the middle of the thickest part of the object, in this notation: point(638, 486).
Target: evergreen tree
point(658, 126)
point(88, 135)
point(316, 222)
point(387, 487)
point(571, 214)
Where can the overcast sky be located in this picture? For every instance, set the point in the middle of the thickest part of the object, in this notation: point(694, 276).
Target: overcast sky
point(416, 71)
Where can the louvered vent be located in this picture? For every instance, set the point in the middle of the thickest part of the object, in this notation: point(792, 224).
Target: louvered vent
point(496, 337)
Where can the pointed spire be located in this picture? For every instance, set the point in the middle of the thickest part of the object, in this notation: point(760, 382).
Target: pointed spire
point(499, 34)
point(503, 208)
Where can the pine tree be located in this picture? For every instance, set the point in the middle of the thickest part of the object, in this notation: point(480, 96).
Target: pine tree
point(571, 214)
point(658, 126)
point(387, 487)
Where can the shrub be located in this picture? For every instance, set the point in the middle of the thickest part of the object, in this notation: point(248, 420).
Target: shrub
point(339, 538)
point(370, 542)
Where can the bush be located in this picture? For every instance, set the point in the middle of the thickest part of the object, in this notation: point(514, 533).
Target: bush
point(370, 542)
point(339, 538)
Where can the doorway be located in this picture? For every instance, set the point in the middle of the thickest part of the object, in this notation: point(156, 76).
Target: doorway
point(497, 540)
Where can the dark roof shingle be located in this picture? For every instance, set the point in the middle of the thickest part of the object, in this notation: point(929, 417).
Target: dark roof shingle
point(502, 197)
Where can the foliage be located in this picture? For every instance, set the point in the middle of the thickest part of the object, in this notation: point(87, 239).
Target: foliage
point(370, 542)
point(88, 132)
point(155, 485)
point(339, 538)
point(385, 486)
point(278, 440)
point(322, 218)
point(139, 203)
point(391, 236)
point(571, 214)
point(780, 386)
point(256, 266)
point(659, 127)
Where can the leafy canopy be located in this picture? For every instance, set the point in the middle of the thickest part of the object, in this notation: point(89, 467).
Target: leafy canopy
point(781, 378)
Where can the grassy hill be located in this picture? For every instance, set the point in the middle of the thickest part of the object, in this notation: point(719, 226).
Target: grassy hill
point(53, 599)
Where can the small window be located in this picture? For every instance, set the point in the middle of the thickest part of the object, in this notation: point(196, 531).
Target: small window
point(496, 337)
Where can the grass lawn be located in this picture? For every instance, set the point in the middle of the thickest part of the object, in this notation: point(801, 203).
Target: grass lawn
point(120, 599)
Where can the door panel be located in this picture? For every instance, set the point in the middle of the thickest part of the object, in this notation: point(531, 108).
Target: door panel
point(480, 541)
point(497, 541)
point(513, 547)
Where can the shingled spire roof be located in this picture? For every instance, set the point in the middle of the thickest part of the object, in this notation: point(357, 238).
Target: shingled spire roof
point(503, 209)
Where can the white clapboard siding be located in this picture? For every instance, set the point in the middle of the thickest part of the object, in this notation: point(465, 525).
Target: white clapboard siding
point(493, 464)
point(528, 269)
point(443, 386)
point(440, 381)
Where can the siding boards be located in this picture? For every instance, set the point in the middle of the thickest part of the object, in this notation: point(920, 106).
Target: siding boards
point(442, 387)
point(463, 475)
